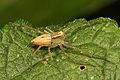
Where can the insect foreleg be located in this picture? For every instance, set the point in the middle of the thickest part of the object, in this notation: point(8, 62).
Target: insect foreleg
point(66, 44)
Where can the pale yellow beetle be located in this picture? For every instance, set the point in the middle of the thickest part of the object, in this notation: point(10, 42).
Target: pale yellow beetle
point(51, 40)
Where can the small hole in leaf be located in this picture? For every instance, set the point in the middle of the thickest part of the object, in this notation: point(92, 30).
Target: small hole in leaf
point(82, 67)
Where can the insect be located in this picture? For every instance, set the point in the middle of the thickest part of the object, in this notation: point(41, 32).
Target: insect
point(51, 40)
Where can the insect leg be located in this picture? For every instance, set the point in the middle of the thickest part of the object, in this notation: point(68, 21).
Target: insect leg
point(50, 54)
point(45, 31)
point(36, 50)
point(49, 30)
point(61, 47)
point(66, 44)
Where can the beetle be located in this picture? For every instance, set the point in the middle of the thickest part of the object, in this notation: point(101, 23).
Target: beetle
point(51, 40)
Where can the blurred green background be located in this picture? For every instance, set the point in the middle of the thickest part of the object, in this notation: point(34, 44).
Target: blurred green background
point(48, 12)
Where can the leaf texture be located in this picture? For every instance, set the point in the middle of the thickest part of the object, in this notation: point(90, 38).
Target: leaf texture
point(96, 47)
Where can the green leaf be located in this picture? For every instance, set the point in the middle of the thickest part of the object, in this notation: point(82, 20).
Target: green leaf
point(95, 46)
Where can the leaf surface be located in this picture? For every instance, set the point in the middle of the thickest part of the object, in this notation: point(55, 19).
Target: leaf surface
point(95, 45)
